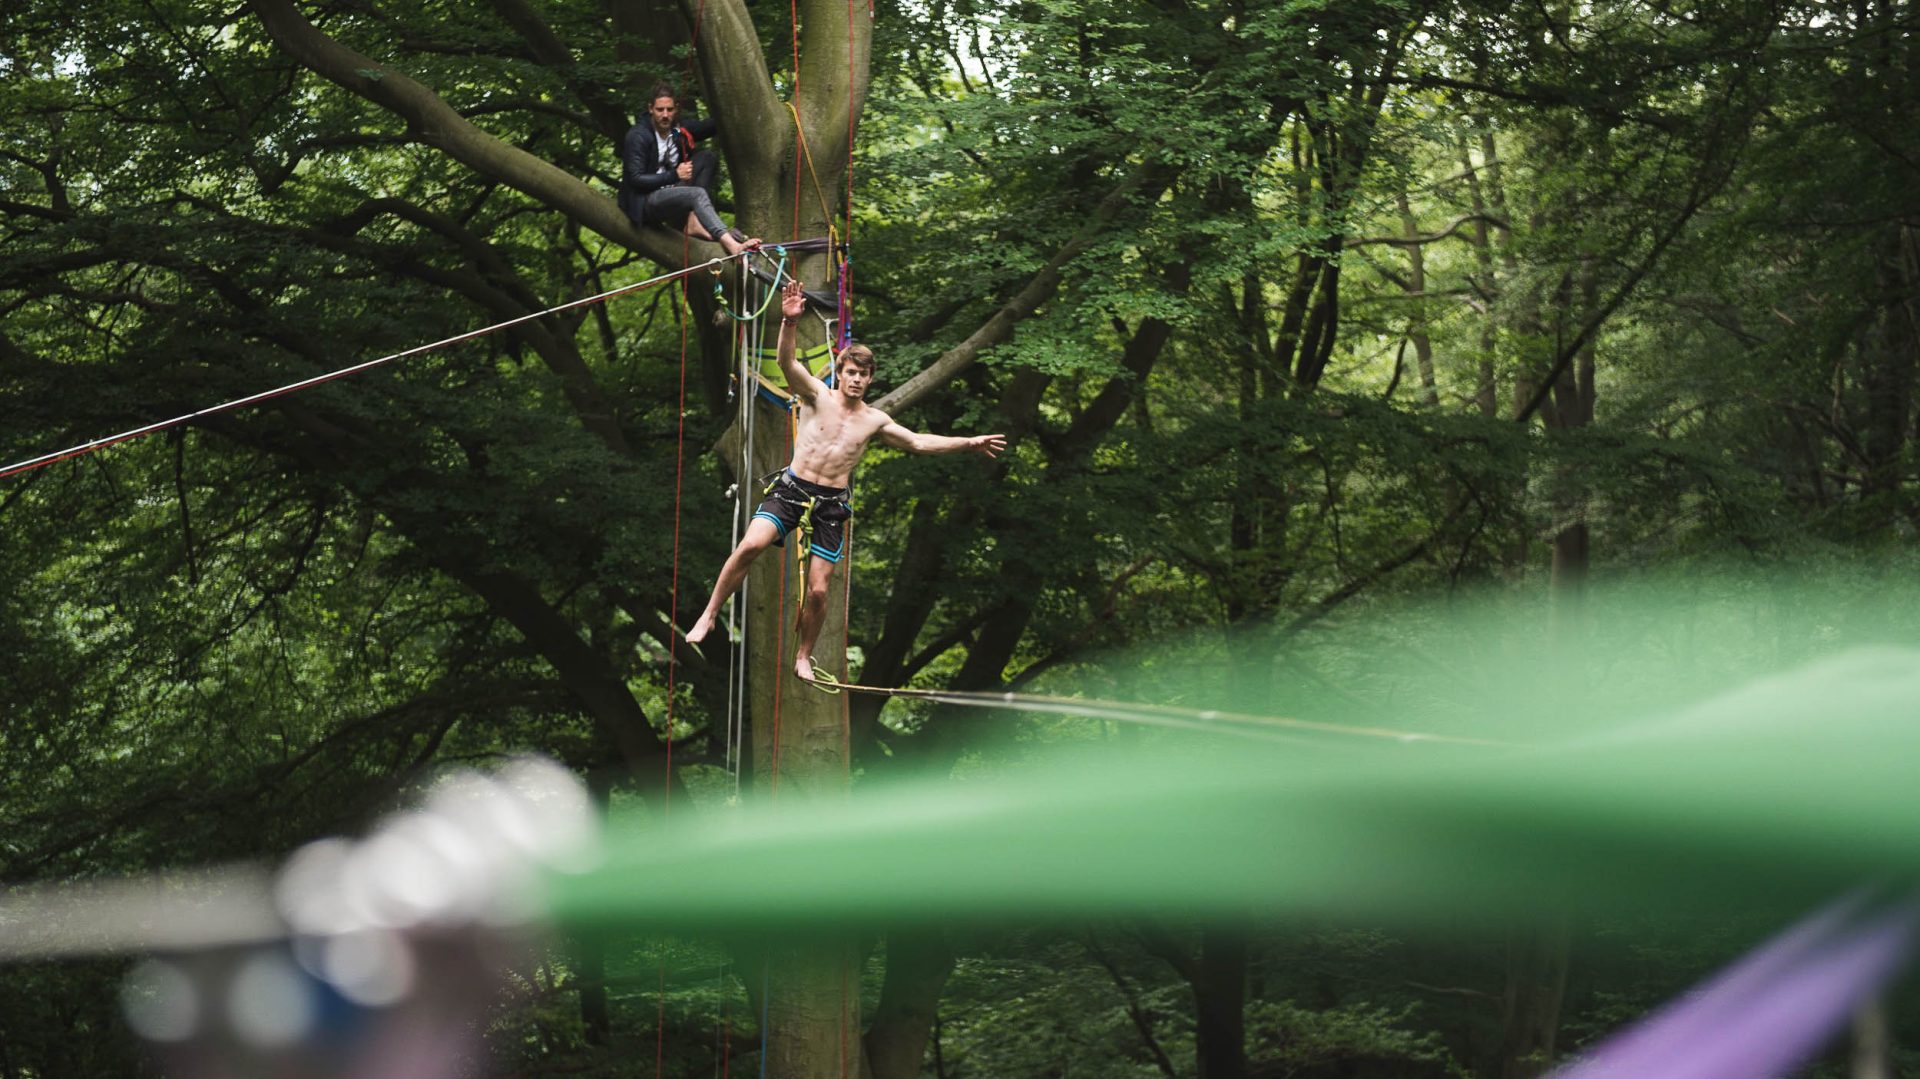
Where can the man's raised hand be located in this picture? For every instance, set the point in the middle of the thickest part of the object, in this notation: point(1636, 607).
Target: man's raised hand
point(990, 445)
point(793, 302)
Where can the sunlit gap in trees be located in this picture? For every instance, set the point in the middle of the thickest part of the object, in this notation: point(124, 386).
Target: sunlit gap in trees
point(979, 37)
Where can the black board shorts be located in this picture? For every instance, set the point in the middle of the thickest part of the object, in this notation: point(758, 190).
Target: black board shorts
point(821, 513)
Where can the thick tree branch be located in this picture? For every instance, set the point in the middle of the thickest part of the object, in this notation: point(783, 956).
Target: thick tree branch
point(497, 288)
point(27, 209)
point(433, 122)
point(593, 681)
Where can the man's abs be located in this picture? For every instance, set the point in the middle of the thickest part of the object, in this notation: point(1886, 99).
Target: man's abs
point(828, 447)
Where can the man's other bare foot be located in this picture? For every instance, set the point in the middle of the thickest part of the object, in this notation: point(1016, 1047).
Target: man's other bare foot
point(700, 629)
point(734, 241)
point(803, 666)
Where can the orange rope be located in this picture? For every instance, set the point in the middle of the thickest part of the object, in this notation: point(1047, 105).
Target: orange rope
point(804, 153)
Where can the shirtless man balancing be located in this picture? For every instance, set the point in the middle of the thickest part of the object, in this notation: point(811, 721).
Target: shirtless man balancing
point(811, 493)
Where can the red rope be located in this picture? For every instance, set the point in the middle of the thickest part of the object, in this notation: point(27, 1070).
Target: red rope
point(847, 234)
point(673, 615)
point(679, 472)
point(848, 1009)
point(799, 139)
point(779, 676)
point(660, 1038)
point(793, 20)
point(693, 42)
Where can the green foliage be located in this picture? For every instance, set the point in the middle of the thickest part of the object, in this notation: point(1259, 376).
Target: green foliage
point(66, 1021)
point(1233, 418)
point(1296, 1040)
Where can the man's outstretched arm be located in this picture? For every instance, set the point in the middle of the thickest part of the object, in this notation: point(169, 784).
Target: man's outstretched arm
point(913, 442)
point(800, 381)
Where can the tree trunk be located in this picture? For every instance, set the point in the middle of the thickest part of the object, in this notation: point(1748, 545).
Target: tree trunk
point(1538, 955)
point(1536, 986)
point(1220, 1001)
point(591, 950)
point(1417, 317)
point(812, 1007)
point(1889, 360)
point(799, 751)
point(1872, 1056)
point(1486, 395)
point(918, 964)
point(799, 734)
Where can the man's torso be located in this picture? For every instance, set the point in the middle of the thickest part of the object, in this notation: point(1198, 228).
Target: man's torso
point(832, 437)
point(641, 147)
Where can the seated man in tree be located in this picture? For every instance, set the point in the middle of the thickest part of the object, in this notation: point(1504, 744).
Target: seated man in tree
point(664, 178)
point(835, 425)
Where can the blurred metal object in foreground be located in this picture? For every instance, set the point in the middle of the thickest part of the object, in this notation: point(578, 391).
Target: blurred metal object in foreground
point(370, 958)
point(369, 1004)
point(165, 912)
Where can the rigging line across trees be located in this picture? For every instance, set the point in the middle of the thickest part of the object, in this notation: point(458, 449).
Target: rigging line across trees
point(1207, 719)
point(85, 448)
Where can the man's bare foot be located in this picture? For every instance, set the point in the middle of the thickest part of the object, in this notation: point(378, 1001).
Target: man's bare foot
point(734, 246)
point(803, 666)
point(700, 629)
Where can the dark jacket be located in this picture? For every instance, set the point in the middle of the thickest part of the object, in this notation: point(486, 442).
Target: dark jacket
point(640, 173)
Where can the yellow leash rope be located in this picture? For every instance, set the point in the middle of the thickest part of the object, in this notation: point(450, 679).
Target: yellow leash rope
point(806, 154)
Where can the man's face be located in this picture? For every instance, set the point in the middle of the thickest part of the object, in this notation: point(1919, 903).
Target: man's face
point(854, 380)
point(663, 110)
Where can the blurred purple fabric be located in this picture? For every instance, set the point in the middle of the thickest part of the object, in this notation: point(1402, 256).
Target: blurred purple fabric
point(1771, 1010)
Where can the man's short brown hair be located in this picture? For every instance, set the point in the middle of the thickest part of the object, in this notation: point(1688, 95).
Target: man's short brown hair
point(857, 354)
point(662, 89)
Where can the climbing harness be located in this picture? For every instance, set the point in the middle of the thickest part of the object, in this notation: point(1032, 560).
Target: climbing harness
point(772, 488)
